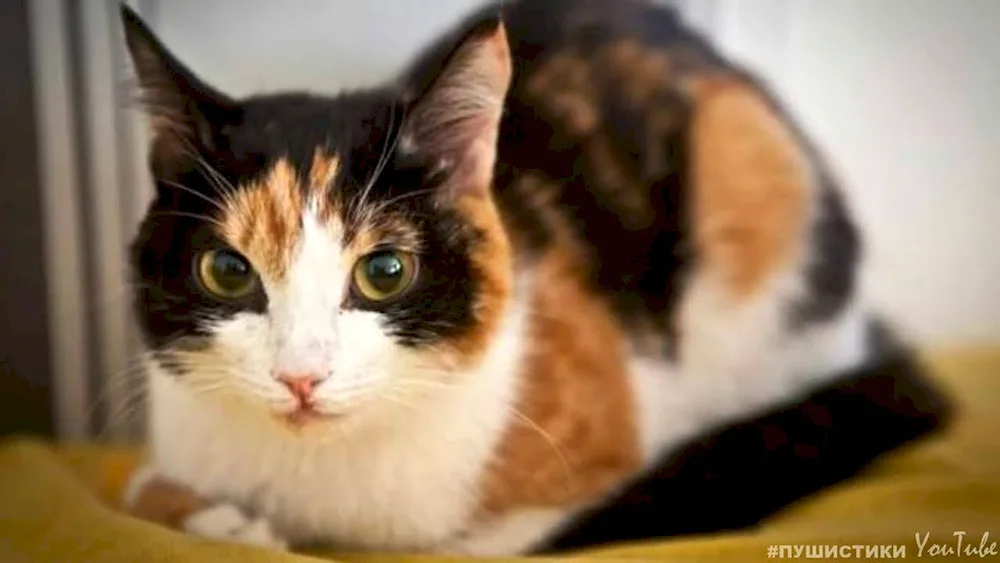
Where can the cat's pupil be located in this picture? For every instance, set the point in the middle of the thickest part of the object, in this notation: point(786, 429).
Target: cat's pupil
point(384, 271)
point(230, 271)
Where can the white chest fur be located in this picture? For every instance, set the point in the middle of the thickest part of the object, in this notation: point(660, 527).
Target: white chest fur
point(406, 485)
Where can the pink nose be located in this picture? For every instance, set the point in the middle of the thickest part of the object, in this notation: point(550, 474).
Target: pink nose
point(301, 385)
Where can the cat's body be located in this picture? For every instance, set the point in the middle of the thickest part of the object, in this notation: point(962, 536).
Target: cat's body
point(652, 253)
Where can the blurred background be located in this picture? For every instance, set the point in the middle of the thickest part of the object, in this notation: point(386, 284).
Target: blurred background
point(900, 94)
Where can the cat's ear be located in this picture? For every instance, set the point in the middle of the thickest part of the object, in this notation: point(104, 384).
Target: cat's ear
point(184, 113)
point(455, 119)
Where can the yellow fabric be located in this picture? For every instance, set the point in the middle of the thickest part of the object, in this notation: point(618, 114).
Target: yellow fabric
point(51, 497)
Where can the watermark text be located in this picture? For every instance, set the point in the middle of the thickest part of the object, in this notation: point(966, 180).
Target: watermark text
point(959, 544)
point(836, 551)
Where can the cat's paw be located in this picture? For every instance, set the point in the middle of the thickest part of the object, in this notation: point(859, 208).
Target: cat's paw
point(229, 523)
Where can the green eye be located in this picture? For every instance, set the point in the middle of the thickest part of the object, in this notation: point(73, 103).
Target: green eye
point(385, 274)
point(225, 274)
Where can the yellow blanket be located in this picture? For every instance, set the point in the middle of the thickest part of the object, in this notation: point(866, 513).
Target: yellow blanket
point(54, 502)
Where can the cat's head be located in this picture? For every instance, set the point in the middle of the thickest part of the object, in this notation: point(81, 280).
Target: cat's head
point(313, 256)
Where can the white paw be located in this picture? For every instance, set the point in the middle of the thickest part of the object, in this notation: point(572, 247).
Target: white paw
point(226, 522)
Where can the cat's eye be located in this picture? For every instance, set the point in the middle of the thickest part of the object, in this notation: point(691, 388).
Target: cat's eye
point(225, 274)
point(385, 274)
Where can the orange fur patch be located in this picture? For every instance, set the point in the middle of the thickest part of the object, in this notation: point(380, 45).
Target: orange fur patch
point(322, 173)
point(574, 437)
point(166, 503)
point(751, 185)
point(263, 220)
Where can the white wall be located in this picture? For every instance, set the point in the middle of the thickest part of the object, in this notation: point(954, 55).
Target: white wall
point(900, 93)
point(312, 44)
point(903, 96)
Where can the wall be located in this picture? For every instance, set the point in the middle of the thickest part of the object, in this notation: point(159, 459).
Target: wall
point(909, 111)
point(898, 92)
point(902, 96)
point(244, 46)
point(25, 375)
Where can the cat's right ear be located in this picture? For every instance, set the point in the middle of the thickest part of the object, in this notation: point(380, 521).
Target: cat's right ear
point(185, 115)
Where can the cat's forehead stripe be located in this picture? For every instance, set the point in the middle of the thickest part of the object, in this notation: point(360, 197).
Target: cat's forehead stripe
point(322, 172)
point(263, 219)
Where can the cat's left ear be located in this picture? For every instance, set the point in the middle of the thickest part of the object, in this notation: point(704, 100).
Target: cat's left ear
point(455, 121)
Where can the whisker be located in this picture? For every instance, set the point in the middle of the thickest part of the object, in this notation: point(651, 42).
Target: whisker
point(129, 407)
point(388, 149)
point(211, 174)
point(385, 204)
point(559, 453)
point(191, 191)
point(426, 384)
point(397, 399)
point(127, 378)
point(382, 158)
point(198, 216)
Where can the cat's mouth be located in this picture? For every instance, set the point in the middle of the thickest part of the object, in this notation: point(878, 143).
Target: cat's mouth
point(306, 415)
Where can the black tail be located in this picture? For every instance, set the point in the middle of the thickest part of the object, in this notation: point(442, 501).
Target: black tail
point(743, 473)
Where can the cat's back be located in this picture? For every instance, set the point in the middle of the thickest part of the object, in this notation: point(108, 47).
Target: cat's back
point(626, 134)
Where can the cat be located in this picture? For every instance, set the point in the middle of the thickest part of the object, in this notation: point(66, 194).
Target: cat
point(569, 274)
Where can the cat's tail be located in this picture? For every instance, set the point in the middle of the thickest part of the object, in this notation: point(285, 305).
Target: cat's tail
point(898, 381)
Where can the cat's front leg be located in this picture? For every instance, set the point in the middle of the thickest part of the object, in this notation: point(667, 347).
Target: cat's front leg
point(156, 499)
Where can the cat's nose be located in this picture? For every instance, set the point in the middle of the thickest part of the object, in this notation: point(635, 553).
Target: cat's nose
point(301, 385)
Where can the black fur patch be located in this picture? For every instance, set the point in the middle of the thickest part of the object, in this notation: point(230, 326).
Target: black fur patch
point(167, 299)
point(832, 273)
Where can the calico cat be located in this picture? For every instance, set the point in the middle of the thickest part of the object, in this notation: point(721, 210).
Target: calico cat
point(567, 276)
